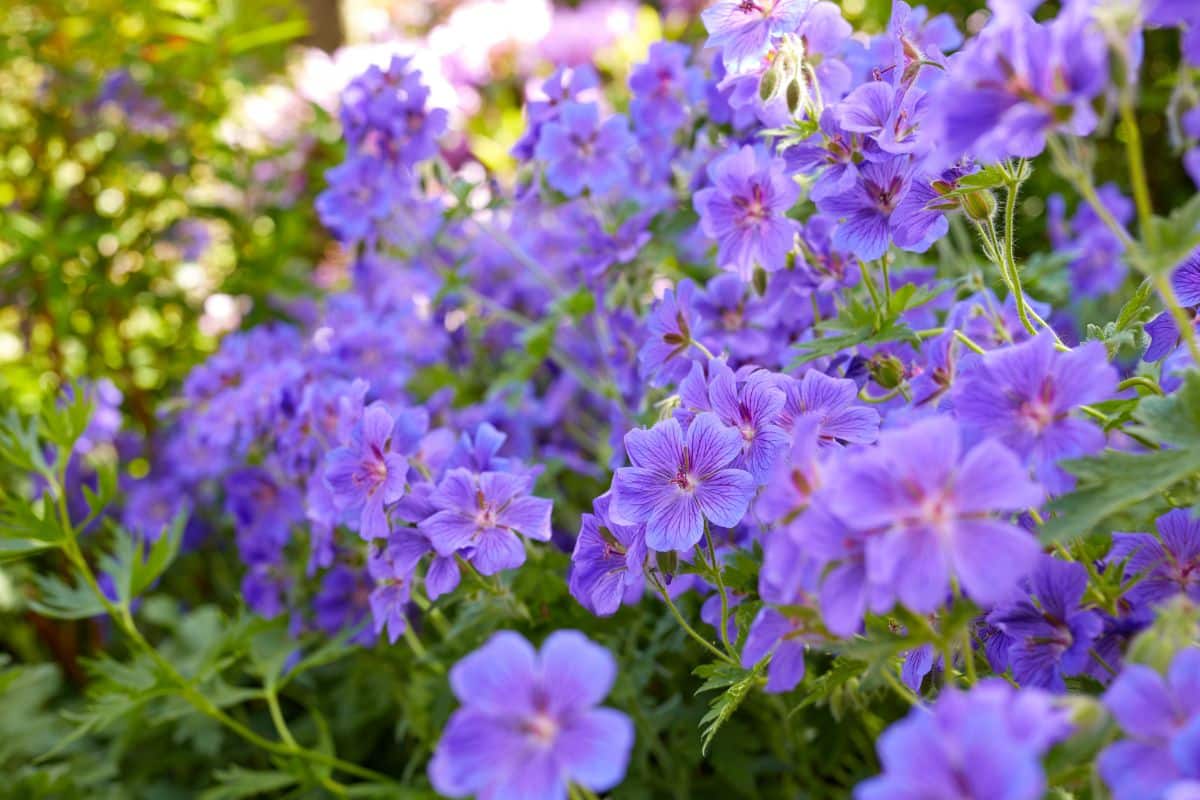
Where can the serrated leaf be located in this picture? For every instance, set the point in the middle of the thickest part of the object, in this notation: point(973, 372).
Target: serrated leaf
point(735, 683)
point(237, 783)
point(63, 601)
point(1173, 419)
point(1110, 483)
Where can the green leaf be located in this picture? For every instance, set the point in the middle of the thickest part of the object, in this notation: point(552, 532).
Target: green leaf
point(62, 601)
point(1173, 419)
point(1115, 481)
point(64, 422)
point(735, 683)
point(1110, 483)
point(1175, 238)
point(275, 34)
point(237, 783)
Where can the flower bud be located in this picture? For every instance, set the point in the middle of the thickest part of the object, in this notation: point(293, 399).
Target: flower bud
point(979, 205)
point(886, 370)
point(769, 83)
point(795, 96)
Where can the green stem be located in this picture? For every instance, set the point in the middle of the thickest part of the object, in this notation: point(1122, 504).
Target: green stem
point(870, 284)
point(699, 346)
point(281, 726)
point(1137, 169)
point(867, 397)
point(121, 616)
point(899, 688)
point(716, 570)
point(969, 342)
point(1140, 380)
point(968, 655)
point(683, 623)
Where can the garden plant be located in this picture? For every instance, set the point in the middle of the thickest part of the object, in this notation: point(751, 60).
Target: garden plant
point(793, 399)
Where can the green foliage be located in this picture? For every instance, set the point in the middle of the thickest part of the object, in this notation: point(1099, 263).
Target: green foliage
point(95, 277)
point(1116, 481)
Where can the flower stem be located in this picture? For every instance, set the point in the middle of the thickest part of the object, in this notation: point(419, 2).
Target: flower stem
point(716, 570)
point(1137, 169)
point(683, 623)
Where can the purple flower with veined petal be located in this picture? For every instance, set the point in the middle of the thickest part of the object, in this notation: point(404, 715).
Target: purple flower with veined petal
point(743, 29)
point(1162, 720)
point(745, 210)
point(366, 476)
point(983, 744)
point(1023, 395)
point(1164, 333)
point(482, 514)
point(865, 208)
point(606, 565)
point(1051, 633)
point(751, 407)
point(581, 152)
point(665, 357)
point(677, 484)
point(927, 509)
point(835, 152)
point(1164, 566)
point(831, 403)
point(889, 115)
point(529, 723)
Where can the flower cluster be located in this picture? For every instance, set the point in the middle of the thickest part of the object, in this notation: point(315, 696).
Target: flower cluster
point(713, 335)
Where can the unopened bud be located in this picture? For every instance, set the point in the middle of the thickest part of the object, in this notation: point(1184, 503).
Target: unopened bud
point(979, 205)
point(769, 83)
point(886, 370)
point(795, 96)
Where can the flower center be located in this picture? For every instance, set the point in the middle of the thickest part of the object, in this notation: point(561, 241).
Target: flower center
point(685, 481)
point(542, 729)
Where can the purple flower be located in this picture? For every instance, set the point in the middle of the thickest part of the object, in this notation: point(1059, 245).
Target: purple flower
point(984, 744)
point(481, 515)
point(1051, 634)
point(889, 115)
point(751, 407)
point(392, 567)
point(1163, 566)
point(865, 208)
point(606, 565)
point(529, 723)
point(830, 402)
point(677, 484)
point(365, 476)
point(781, 636)
point(661, 87)
point(834, 152)
point(927, 507)
point(664, 358)
point(743, 29)
point(1017, 82)
point(745, 210)
point(1162, 720)
point(1023, 395)
point(581, 153)
point(736, 318)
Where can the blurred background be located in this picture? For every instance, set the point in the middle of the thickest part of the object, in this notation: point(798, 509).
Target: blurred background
point(158, 158)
